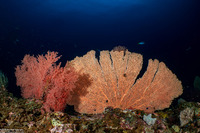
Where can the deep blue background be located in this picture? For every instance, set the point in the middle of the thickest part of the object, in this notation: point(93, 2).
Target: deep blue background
point(169, 28)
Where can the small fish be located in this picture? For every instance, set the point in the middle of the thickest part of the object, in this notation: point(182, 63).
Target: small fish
point(141, 43)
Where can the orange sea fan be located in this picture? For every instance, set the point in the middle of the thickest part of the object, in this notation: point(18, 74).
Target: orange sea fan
point(114, 82)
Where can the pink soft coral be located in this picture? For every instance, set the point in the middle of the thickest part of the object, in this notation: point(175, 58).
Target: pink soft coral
point(41, 78)
point(62, 82)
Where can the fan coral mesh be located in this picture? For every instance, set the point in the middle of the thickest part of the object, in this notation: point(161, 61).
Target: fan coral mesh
point(114, 82)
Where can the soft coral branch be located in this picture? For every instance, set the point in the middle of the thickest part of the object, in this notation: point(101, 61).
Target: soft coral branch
point(40, 78)
point(62, 84)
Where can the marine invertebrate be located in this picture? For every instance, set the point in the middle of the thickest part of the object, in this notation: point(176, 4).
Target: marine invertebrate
point(149, 120)
point(119, 48)
point(41, 78)
point(114, 82)
point(33, 72)
point(186, 116)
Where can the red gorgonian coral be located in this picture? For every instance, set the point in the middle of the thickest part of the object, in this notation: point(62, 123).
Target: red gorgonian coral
point(40, 78)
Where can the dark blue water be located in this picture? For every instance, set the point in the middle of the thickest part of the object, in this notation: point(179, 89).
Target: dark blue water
point(170, 30)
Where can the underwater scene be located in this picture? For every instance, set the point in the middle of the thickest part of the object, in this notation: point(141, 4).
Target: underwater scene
point(99, 66)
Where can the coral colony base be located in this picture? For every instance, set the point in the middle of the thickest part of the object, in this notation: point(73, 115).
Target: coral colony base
point(106, 94)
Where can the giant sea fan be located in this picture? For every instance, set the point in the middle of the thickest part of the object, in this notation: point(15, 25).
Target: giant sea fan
point(114, 83)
